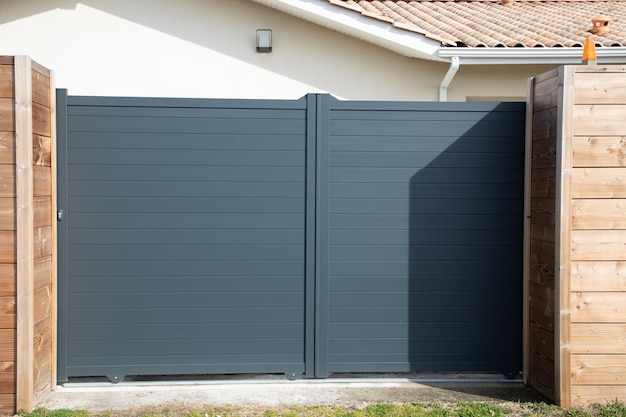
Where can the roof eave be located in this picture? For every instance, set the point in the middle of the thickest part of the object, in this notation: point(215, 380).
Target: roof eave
point(531, 56)
point(362, 27)
point(415, 45)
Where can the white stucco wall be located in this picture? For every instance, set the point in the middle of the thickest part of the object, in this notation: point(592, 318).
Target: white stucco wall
point(206, 48)
point(495, 81)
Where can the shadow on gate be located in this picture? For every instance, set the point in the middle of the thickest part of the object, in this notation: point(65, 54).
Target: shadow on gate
point(465, 251)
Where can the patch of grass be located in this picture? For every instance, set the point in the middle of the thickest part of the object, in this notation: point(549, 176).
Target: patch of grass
point(539, 410)
point(577, 412)
point(436, 410)
point(609, 410)
point(62, 412)
point(462, 409)
point(479, 410)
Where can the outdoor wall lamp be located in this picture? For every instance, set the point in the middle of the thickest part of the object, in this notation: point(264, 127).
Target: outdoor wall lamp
point(264, 40)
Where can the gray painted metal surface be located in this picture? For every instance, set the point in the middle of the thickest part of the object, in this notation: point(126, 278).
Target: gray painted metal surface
point(424, 206)
point(185, 237)
point(299, 237)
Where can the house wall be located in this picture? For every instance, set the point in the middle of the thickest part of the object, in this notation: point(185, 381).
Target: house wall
point(495, 82)
point(206, 48)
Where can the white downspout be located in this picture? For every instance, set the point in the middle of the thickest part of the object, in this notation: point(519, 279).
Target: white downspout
point(443, 88)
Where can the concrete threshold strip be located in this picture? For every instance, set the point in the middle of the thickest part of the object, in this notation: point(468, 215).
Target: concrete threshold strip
point(270, 390)
point(280, 379)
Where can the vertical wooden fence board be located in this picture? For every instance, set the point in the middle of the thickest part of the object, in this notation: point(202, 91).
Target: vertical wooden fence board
point(44, 225)
point(590, 244)
point(563, 248)
point(27, 293)
point(43, 160)
point(24, 238)
point(528, 147)
point(541, 216)
point(7, 237)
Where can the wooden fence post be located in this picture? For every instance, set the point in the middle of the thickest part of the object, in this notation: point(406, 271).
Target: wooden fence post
point(27, 234)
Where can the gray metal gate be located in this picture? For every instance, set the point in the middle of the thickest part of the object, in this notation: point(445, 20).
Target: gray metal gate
point(422, 213)
point(302, 237)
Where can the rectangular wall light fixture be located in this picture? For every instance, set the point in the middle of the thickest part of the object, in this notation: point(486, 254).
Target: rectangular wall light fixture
point(263, 40)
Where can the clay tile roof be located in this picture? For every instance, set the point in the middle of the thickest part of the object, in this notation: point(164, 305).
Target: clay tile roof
point(492, 24)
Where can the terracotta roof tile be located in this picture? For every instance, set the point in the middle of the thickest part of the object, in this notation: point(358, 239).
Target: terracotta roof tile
point(492, 24)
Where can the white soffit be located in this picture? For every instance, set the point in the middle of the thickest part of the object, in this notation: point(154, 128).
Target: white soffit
point(415, 45)
point(365, 28)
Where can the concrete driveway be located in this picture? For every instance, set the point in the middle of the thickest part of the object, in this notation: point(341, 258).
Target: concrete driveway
point(272, 391)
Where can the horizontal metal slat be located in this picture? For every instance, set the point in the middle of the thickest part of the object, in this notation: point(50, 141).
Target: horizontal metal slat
point(185, 268)
point(133, 236)
point(185, 252)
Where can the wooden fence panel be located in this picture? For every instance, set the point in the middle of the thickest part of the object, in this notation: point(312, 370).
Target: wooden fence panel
point(541, 235)
point(27, 234)
point(586, 116)
point(7, 238)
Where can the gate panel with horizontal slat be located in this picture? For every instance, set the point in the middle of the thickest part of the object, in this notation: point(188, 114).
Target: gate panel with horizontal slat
point(312, 236)
point(424, 204)
point(185, 236)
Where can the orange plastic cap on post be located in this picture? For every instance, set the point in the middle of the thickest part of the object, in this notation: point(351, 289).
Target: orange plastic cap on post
point(589, 53)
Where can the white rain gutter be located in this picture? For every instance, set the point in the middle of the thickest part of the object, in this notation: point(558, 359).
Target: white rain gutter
point(447, 79)
point(352, 23)
point(415, 45)
point(526, 56)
